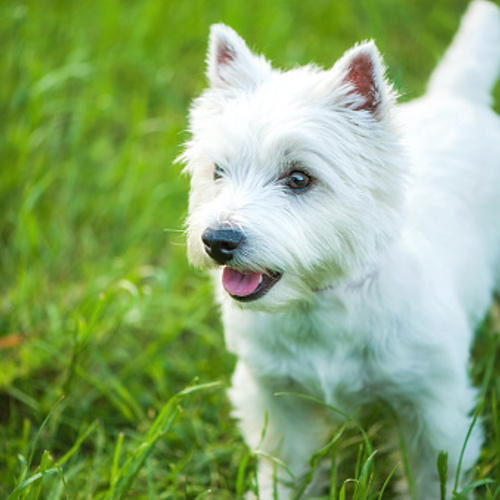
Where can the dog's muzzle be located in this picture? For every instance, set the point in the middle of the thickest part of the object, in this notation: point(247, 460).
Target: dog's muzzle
point(221, 244)
point(243, 285)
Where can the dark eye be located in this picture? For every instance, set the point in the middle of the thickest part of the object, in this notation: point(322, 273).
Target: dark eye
point(298, 181)
point(218, 172)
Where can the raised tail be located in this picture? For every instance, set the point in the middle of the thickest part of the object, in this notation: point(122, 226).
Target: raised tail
point(471, 65)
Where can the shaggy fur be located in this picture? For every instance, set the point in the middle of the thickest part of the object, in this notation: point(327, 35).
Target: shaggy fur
point(355, 243)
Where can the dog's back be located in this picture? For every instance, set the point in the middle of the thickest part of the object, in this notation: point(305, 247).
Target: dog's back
point(453, 138)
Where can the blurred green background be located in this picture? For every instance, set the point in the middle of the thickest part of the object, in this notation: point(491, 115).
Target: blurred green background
point(97, 301)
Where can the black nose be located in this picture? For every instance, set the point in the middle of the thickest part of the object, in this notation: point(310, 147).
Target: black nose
point(221, 244)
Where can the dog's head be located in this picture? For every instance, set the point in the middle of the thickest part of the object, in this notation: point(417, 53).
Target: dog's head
point(296, 177)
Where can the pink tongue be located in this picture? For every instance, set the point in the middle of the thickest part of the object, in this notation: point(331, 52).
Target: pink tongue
point(239, 284)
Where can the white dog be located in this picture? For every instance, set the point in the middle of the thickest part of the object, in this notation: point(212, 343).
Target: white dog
point(355, 243)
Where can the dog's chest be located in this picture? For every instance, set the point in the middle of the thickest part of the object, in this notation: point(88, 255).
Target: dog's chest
point(325, 355)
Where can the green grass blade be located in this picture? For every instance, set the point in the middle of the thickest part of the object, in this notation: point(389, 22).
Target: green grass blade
point(276, 461)
point(386, 482)
point(363, 482)
point(136, 461)
point(442, 466)
point(404, 454)
point(349, 418)
point(40, 430)
point(464, 446)
point(78, 443)
point(29, 482)
point(242, 474)
point(476, 484)
point(22, 481)
point(496, 421)
point(316, 457)
point(123, 480)
point(116, 464)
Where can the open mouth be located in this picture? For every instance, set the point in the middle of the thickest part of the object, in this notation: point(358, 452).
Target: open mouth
point(248, 286)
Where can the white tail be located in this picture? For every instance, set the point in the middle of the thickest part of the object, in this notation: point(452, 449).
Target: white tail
point(471, 65)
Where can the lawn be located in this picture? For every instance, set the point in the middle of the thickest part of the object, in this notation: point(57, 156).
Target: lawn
point(112, 364)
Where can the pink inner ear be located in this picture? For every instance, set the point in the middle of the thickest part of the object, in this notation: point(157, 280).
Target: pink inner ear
point(225, 54)
point(361, 75)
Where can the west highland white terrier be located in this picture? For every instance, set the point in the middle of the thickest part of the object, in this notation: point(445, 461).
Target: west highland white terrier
point(355, 243)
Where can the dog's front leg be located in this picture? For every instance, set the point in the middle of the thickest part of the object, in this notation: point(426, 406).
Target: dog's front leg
point(441, 423)
point(286, 427)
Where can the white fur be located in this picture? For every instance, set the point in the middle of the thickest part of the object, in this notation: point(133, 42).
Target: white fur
point(389, 260)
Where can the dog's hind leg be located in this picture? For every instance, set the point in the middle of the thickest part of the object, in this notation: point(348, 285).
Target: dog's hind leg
point(288, 428)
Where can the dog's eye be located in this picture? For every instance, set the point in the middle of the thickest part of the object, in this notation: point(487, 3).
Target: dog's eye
point(218, 172)
point(298, 181)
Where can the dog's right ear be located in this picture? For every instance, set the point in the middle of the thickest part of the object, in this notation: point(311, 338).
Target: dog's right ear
point(230, 62)
point(362, 74)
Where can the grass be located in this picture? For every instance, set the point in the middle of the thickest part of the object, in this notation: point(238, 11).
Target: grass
point(111, 352)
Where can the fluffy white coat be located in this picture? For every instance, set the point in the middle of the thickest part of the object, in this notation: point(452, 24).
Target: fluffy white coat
point(387, 261)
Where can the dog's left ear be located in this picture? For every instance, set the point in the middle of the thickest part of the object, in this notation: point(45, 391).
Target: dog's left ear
point(230, 63)
point(364, 86)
